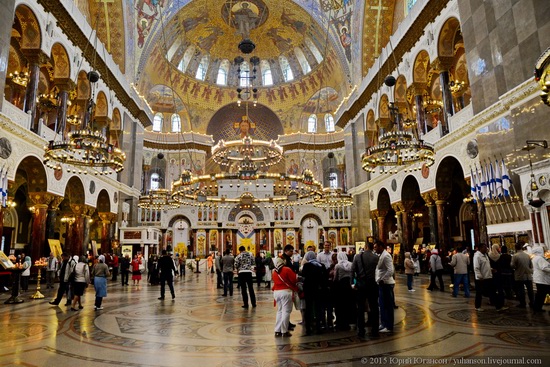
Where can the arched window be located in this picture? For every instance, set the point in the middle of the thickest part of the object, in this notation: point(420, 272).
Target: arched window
point(155, 181)
point(329, 123)
point(176, 123)
point(333, 180)
point(203, 67)
point(157, 122)
point(223, 71)
point(267, 77)
point(314, 50)
point(244, 76)
point(186, 58)
point(306, 68)
point(312, 124)
point(288, 75)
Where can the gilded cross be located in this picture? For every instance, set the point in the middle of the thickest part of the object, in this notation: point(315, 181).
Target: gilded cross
point(107, 25)
point(379, 9)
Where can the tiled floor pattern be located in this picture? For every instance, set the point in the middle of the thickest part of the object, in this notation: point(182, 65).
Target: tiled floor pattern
point(201, 328)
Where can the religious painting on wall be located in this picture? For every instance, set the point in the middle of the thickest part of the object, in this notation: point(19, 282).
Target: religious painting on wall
point(278, 238)
point(332, 236)
point(291, 237)
point(344, 236)
point(246, 234)
point(213, 236)
point(201, 242)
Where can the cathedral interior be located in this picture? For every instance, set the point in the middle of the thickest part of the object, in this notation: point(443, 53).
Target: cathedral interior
point(199, 126)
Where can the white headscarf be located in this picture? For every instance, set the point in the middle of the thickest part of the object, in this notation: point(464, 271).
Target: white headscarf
point(343, 261)
point(101, 259)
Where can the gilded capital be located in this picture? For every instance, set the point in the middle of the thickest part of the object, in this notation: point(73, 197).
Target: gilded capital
point(56, 201)
point(428, 198)
point(418, 89)
point(442, 63)
point(40, 198)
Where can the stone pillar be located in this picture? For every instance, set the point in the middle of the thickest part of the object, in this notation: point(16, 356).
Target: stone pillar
point(53, 210)
point(382, 235)
point(105, 222)
point(374, 216)
point(40, 202)
point(432, 215)
point(65, 86)
point(418, 90)
point(539, 226)
point(7, 13)
point(443, 64)
point(77, 230)
point(535, 227)
point(441, 223)
point(34, 58)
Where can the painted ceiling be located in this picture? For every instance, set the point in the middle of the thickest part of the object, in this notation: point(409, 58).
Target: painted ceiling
point(357, 31)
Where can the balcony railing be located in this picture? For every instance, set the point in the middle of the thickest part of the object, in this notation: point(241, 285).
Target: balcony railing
point(15, 114)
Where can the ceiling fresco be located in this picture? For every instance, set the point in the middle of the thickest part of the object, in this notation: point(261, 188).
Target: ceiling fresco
point(357, 31)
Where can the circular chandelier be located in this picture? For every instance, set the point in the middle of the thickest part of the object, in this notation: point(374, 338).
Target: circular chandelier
point(333, 198)
point(84, 149)
point(258, 154)
point(249, 186)
point(398, 148)
point(157, 199)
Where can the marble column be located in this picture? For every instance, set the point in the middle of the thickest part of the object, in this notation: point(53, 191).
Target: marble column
point(7, 13)
point(382, 235)
point(65, 86)
point(443, 64)
point(441, 223)
point(374, 216)
point(76, 233)
point(35, 58)
point(432, 215)
point(535, 227)
point(53, 210)
point(40, 202)
point(421, 124)
point(1, 221)
point(105, 222)
point(539, 226)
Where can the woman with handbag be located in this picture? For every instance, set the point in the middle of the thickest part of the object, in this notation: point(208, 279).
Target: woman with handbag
point(136, 269)
point(284, 286)
point(81, 280)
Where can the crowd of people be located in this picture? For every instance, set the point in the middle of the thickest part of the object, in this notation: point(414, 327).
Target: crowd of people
point(332, 289)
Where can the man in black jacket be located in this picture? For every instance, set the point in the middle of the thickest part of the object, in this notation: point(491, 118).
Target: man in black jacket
point(62, 284)
point(167, 270)
point(363, 271)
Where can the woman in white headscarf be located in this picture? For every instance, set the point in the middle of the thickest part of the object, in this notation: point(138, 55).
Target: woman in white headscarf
point(541, 277)
point(343, 302)
point(81, 280)
point(284, 284)
point(100, 273)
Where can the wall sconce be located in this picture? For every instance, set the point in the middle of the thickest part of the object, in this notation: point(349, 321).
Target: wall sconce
point(535, 201)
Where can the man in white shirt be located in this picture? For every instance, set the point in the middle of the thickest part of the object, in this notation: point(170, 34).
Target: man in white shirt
point(296, 258)
point(484, 279)
point(386, 283)
point(325, 257)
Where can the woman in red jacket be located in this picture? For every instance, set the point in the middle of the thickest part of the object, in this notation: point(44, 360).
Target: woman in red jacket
point(284, 284)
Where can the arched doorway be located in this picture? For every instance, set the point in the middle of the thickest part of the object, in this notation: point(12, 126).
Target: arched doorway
point(385, 215)
point(415, 217)
point(310, 228)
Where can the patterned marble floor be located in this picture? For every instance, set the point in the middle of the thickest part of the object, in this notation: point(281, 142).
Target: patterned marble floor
point(201, 328)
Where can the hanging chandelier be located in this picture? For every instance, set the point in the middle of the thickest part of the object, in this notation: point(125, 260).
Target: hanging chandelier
point(333, 198)
point(258, 154)
point(157, 199)
point(20, 78)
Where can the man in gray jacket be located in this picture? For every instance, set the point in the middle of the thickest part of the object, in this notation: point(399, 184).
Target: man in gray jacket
point(228, 263)
point(523, 276)
point(460, 262)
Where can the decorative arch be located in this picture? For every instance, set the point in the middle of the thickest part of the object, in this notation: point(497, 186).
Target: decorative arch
point(74, 191)
point(102, 105)
point(31, 172)
point(312, 216)
point(421, 67)
point(400, 90)
point(176, 218)
point(116, 123)
point(103, 204)
point(447, 35)
point(61, 63)
point(83, 89)
point(450, 176)
point(237, 211)
point(31, 36)
point(383, 107)
point(383, 200)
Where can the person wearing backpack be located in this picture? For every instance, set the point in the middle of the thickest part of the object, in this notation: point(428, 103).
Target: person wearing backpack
point(363, 271)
